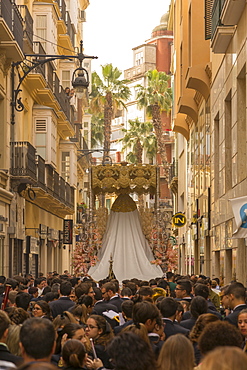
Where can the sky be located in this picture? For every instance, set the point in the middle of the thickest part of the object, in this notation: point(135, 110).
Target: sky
point(114, 27)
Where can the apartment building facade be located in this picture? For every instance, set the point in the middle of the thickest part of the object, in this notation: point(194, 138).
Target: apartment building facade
point(39, 171)
point(209, 117)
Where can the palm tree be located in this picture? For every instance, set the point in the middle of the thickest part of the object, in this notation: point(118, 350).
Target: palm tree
point(138, 137)
point(156, 97)
point(108, 95)
point(97, 130)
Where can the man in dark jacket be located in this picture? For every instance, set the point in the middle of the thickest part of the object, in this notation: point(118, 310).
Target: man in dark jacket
point(64, 302)
point(168, 309)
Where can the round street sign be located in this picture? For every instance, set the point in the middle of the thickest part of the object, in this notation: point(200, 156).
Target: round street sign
point(179, 219)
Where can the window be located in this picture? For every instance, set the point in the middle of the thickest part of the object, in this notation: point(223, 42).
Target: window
point(66, 80)
point(66, 166)
point(41, 29)
point(139, 58)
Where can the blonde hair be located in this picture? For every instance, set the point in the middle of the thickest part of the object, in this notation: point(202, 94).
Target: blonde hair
point(176, 353)
point(13, 339)
point(225, 358)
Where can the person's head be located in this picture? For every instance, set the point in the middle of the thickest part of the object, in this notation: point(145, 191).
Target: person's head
point(170, 276)
point(202, 321)
point(98, 329)
point(108, 290)
point(198, 306)
point(183, 288)
point(22, 300)
point(79, 311)
point(168, 307)
point(33, 291)
point(214, 284)
point(225, 358)
point(65, 318)
point(127, 309)
point(73, 354)
point(130, 352)
point(126, 292)
point(72, 331)
point(138, 329)
point(146, 313)
point(158, 292)
point(4, 325)
point(176, 353)
point(11, 298)
point(145, 292)
point(224, 299)
point(13, 339)
point(84, 289)
point(40, 282)
point(13, 283)
point(17, 315)
point(201, 290)
point(41, 308)
point(242, 322)
point(217, 334)
point(37, 339)
point(65, 288)
point(236, 294)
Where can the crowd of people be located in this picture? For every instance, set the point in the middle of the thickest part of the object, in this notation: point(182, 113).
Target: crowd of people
point(169, 323)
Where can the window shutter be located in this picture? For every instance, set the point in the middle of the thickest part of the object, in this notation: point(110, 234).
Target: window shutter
point(41, 126)
point(208, 19)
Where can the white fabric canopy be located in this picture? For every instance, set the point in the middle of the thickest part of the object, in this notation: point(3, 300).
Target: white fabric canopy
point(126, 243)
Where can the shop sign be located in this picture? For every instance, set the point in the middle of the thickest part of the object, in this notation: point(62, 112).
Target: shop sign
point(67, 231)
point(53, 234)
point(42, 231)
point(179, 219)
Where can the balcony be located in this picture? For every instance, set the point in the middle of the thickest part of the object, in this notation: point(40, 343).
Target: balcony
point(23, 161)
point(173, 177)
point(221, 34)
point(11, 30)
point(28, 29)
point(232, 11)
point(52, 192)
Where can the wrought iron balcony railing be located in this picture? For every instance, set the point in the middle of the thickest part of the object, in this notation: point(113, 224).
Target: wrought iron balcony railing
point(23, 160)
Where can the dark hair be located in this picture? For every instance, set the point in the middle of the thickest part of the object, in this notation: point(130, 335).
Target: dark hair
point(130, 352)
point(68, 329)
point(73, 353)
point(126, 292)
point(169, 275)
point(46, 290)
point(86, 300)
point(168, 307)
point(17, 315)
point(4, 322)
point(132, 287)
point(37, 337)
point(39, 280)
point(22, 300)
point(44, 307)
point(80, 312)
point(202, 321)
point(97, 293)
point(201, 290)
point(110, 286)
point(14, 283)
point(2, 279)
point(106, 336)
point(145, 291)
point(127, 307)
point(49, 297)
point(39, 365)
point(143, 311)
point(82, 288)
point(198, 306)
point(65, 288)
point(185, 285)
point(32, 290)
point(219, 334)
point(237, 289)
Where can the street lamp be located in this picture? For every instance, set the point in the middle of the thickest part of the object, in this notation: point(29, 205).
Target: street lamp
point(80, 78)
